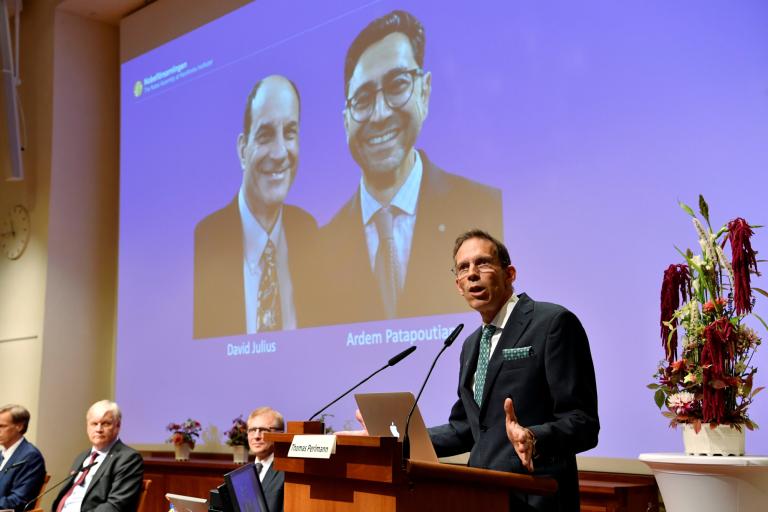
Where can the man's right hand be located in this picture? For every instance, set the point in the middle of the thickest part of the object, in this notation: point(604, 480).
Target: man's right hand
point(363, 432)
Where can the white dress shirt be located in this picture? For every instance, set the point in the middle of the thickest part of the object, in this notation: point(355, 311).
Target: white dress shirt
point(8, 452)
point(75, 499)
point(254, 242)
point(265, 464)
point(404, 202)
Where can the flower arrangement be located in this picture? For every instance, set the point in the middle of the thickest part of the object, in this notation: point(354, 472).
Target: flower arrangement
point(712, 379)
point(237, 435)
point(186, 432)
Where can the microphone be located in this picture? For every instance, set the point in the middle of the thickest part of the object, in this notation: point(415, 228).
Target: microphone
point(406, 441)
point(57, 484)
point(14, 465)
point(392, 362)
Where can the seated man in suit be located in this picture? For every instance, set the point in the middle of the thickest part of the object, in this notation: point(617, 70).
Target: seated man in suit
point(527, 398)
point(22, 469)
point(254, 258)
point(108, 476)
point(262, 420)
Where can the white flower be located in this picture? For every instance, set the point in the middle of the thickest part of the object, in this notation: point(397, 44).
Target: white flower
point(681, 402)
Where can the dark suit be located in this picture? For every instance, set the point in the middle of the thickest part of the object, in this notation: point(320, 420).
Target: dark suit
point(219, 293)
point(21, 484)
point(554, 395)
point(273, 488)
point(447, 205)
point(116, 486)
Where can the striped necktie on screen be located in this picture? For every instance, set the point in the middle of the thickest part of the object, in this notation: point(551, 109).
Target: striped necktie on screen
point(482, 361)
point(385, 266)
point(269, 314)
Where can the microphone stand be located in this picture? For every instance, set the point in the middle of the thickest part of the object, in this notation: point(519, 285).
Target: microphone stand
point(392, 362)
point(406, 440)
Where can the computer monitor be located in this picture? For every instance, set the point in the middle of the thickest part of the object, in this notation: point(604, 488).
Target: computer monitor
point(245, 490)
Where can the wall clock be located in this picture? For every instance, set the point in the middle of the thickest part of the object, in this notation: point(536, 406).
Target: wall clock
point(14, 232)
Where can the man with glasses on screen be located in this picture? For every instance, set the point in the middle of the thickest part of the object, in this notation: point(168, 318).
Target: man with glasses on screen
point(253, 258)
point(393, 233)
point(261, 421)
point(527, 398)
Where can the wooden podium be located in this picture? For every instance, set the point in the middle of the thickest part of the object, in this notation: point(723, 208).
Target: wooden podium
point(366, 473)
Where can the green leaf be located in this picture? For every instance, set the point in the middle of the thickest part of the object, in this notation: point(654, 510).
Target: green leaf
point(704, 209)
point(658, 397)
point(760, 291)
point(686, 208)
point(653, 386)
point(765, 325)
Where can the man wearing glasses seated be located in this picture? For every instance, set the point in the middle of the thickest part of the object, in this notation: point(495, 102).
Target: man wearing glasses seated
point(261, 421)
point(394, 231)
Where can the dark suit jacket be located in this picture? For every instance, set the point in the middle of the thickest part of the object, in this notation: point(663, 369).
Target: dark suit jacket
point(273, 488)
point(554, 395)
point(116, 486)
point(447, 206)
point(219, 295)
point(21, 484)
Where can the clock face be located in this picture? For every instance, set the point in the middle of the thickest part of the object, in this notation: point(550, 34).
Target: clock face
point(15, 231)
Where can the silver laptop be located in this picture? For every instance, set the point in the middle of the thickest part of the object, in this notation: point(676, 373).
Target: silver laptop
point(384, 415)
point(183, 503)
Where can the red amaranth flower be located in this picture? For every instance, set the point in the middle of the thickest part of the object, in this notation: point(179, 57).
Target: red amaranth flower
point(744, 261)
point(719, 346)
point(673, 286)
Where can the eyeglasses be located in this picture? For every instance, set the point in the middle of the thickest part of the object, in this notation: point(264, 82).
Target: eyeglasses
point(483, 267)
point(260, 430)
point(397, 87)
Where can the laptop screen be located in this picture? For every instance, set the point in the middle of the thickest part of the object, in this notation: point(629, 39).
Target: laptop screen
point(245, 490)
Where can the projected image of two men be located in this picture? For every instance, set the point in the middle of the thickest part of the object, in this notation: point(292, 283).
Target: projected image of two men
point(261, 264)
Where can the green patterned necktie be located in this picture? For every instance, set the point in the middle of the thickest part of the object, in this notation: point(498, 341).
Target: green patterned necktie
point(482, 361)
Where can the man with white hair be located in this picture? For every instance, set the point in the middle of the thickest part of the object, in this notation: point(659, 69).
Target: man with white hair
point(107, 476)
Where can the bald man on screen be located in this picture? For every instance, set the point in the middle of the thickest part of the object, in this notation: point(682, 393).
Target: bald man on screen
point(254, 260)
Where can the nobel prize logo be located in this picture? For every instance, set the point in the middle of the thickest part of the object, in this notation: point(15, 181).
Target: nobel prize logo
point(138, 88)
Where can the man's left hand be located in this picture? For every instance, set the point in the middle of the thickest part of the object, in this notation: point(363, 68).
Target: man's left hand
point(521, 438)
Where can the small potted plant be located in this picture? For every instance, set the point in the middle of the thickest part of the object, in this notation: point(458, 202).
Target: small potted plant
point(237, 438)
point(183, 437)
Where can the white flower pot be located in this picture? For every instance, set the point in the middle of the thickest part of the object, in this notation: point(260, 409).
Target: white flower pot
point(182, 451)
point(240, 454)
point(722, 440)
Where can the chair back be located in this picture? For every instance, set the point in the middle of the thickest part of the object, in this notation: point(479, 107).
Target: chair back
point(42, 491)
point(143, 499)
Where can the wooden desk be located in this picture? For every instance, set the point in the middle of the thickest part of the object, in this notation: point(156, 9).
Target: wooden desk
point(195, 477)
point(600, 492)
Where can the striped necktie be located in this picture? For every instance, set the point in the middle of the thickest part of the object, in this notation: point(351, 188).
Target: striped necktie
point(385, 266)
point(269, 315)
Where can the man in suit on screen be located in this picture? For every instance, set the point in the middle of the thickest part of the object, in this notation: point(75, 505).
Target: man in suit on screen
point(261, 421)
point(527, 398)
point(253, 258)
point(108, 476)
point(393, 234)
point(22, 468)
